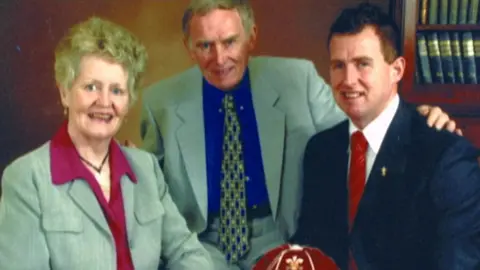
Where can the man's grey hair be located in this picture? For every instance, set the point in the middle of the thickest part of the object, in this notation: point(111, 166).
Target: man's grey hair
point(202, 7)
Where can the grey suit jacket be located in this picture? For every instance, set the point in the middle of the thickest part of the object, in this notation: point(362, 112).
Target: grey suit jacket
point(291, 104)
point(43, 226)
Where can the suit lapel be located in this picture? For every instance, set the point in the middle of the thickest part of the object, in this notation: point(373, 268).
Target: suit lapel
point(337, 166)
point(389, 165)
point(191, 140)
point(83, 196)
point(327, 188)
point(271, 130)
point(128, 196)
point(141, 205)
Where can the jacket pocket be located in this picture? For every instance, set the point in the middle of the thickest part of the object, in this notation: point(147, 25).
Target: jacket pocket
point(61, 221)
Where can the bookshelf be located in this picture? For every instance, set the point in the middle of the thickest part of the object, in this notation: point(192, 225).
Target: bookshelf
point(454, 84)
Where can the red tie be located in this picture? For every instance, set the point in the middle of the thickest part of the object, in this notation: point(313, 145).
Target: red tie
point(357, 175)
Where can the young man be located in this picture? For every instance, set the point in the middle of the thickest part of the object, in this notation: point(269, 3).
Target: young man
point(382, 190)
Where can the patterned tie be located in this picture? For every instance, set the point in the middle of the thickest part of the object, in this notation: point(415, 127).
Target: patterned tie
point(233, 204)
point(356, 181)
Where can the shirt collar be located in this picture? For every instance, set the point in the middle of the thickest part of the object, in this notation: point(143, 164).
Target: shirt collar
point(65, 164)
point(376, 130)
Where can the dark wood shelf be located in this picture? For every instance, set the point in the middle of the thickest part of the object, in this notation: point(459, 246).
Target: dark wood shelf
point(446, 87)
point(448, 93)
point(459, 99)
point(448, 27)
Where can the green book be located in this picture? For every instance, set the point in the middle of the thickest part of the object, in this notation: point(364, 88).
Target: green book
point(476, 50)
point(446, 56)
point(443, 14)
point(423, 61)
point(433, 11)
point(457, 57)
point(472, 15)
point(468, 57)
point(435, 57)
point(462, 12)
point(453, 15)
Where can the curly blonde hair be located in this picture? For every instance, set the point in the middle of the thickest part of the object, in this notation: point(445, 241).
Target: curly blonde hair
point(97, 36)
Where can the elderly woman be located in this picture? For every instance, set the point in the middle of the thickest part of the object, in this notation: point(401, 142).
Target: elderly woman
point(81, 201)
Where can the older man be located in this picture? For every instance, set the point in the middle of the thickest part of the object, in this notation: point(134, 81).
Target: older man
point(230, 133)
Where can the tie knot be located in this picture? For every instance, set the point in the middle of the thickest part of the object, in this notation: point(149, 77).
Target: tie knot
point(228, 102)
point(358, 142)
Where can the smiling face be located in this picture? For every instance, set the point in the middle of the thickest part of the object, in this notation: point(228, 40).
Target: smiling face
point(220, 45)
point(98, 100)
point(362, 80)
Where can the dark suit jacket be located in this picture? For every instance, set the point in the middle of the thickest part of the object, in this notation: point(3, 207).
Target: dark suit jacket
point(423, 214)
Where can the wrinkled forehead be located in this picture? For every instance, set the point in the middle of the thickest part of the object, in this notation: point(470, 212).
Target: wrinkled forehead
point(217, 24)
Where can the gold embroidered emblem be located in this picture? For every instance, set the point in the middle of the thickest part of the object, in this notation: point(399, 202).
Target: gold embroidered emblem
point(384, 171)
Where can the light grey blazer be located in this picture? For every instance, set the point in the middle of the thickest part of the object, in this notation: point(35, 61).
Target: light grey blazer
point(291, 101)
point(44, 226)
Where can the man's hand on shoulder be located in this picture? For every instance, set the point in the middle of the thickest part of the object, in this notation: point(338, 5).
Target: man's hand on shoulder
point(439, 119)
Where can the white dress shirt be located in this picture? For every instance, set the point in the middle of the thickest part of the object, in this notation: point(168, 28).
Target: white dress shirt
point(375, 131)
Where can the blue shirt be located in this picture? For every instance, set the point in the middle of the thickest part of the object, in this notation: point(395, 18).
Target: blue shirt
point(214, 123)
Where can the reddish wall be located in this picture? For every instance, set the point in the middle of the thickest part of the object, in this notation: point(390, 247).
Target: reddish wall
point(29, 105)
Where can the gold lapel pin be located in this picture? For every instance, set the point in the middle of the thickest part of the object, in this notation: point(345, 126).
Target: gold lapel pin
point(384, 171)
